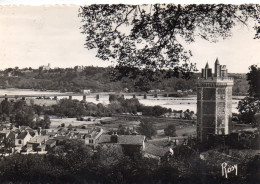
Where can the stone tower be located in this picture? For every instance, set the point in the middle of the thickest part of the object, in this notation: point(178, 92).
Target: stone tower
point(214, 102)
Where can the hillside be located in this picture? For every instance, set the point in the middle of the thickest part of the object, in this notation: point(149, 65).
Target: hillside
point(98, 79)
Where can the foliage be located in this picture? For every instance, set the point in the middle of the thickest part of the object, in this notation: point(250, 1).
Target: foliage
point(124, 130)
point(115, 97)
point(44, 123)
point(101, 80)
point(74, 162)
point(22, 114)
point(6, 107)
point(250, 105)
point(146, 128)
point(108, 155)
point(154, 110)
point(149, 36)
point(253, 78)
point(170, 130)
point(69, 108)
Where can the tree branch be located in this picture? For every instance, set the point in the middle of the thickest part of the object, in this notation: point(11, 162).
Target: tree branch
point(125, 18)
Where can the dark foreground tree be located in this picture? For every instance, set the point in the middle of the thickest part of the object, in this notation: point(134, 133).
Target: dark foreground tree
point(250, 105)
point(153, 37)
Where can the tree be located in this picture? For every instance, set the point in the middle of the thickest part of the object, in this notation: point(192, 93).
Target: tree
point(44, 123)
point(170, 130)
point(6, 107)
point(123, 130)
point(257, 120)
point(146, 128)
point(250, 105)
point(23, 114)
point(253, 78)
point(108, 155)
point(148, 37)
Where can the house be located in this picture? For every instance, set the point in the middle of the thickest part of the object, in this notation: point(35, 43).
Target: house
point(139, 113)
point(37, 143)
point(131, 144)
point(92, 136)
point(61, 139)
point(86, 91)
point(174, 114)
point(21, 140)
point(181, 140)
point(154, 91)
point(44, 67)
point(51, 133)
point(3, 135)
point(152, 151)
point(50, 144)
point(79, 68)
point(7, 139)
point(88, 135)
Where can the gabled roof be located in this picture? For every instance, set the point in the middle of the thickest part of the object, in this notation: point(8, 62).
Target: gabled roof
point(22, 135)
point(123, 139)
point(32, 133)
point(50, 141)
point(61, 138)
point(39, 139)
point(25, 127)
point(155, 150)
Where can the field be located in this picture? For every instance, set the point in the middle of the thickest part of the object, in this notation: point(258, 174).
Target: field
point(55, 122)
point(112, 123)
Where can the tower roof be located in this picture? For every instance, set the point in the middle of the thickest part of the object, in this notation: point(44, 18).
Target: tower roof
point(217, 62)
point(207, 65)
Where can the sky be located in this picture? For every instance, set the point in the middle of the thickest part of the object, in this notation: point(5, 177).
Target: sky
point(33, 34)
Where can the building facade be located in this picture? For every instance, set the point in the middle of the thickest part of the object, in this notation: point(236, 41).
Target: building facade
point(214, 102)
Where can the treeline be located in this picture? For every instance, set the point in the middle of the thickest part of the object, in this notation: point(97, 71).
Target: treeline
point(20, 114)
point(29, 114)
point(99, 79)
point(74, 162)
point(118, 104)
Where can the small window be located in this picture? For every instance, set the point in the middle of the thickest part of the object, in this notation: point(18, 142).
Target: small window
point(91, 141)
point(20, 142)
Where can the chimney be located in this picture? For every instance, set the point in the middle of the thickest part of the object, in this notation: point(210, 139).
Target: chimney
point(114, 138)
point(40, 130)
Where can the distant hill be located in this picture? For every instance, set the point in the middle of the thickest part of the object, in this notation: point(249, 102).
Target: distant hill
point(97, 79)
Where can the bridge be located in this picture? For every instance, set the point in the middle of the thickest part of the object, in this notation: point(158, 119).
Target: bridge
point(70, 95)
point(43, 96)
point(40, 95)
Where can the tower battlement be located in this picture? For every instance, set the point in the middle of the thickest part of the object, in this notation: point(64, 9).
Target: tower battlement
point(214, 102)
point(215, 81)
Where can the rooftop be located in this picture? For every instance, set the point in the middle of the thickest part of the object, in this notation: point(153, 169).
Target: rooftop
point(50, 141)
point(123, 139)
point(39, 139)
point(155, 150)
point(22, 135)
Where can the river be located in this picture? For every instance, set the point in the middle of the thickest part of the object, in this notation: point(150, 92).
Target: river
point(181, 103)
